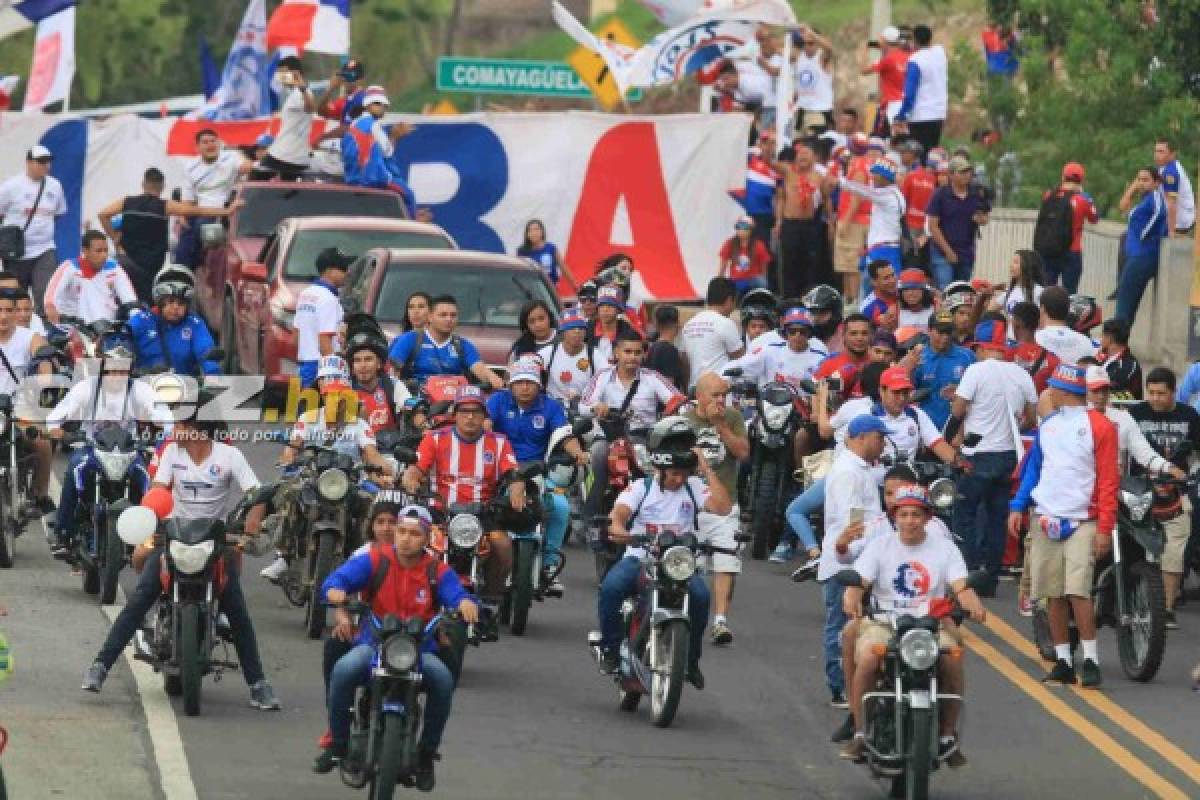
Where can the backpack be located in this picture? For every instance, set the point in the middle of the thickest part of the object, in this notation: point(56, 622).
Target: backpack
point(1054, 229)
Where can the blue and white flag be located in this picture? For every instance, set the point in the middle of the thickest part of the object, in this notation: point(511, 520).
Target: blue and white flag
point(245, 91)
point(20, 15)
point(676, 53)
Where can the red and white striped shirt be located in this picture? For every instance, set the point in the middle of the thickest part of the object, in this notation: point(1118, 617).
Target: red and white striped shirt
point(463, 471)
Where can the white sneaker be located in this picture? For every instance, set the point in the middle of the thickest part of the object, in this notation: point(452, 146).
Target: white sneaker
point(275, 570)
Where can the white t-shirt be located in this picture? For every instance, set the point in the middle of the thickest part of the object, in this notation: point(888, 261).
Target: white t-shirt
point(204, 491)
point(779, 363)
point(1007, 301)
point(754, 84)
point(661, 511)
point(773, 337)
point(608, 389)
point(906, 435)
point(119, 400)
point(17, 195)
point(37, 326)
point(210, 184)
point(295, 123)
point(318, 311)
point(813, 82)
point(998, 391)
point(709, 340)
point(905, 579)
point(568, 375)
point(16, 350)
point(1068, 345)
point(348, 439)
point(880, 525)
point(91, 299)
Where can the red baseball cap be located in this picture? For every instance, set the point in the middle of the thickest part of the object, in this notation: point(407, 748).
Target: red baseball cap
point(895, 378)
point(992, 334)
point(1073, 171)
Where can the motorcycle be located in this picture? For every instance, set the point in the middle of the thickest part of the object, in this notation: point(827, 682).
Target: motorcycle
point(655, 650)
point(529, 582)
point(901, 712)
point(628, 461)
point(386, 718)
point(1128, 593)
point(16, 480)
point(114, 454)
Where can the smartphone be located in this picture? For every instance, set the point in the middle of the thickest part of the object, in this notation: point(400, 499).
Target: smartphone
point(856, 517)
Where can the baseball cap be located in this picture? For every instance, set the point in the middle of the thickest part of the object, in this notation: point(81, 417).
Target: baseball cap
point(588, 290)
point(1069, 378)
point(572, 320)
point(525, 369)
point(1097, 377)
point(38, 152)
point(333, 367)
point(611, 296)
point(992, 334)
point(895, 378)
point(865, 423)
point(352, 70)
point(333, 258)
point(914, 495)
point(744, 224)
point(1073, 171)
point(265, 140)
point(796, 318)
point(884, 169)
point(468, 395)
point(958, 164)
point(913, 279)
point(418, 513)
point(885, 339)
point(942, 321)
point(890, 34)
point(375, 94)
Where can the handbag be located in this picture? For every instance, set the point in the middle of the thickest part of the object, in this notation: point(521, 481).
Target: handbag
point(12, 237)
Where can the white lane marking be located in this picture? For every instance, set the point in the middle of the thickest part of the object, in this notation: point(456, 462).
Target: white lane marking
point(174, 775)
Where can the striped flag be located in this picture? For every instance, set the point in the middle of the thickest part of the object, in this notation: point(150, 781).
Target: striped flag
point(53, 61)
point(21, 15)
point(322, 26)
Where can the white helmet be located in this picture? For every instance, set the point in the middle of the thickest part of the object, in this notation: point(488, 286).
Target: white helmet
point(565, 476)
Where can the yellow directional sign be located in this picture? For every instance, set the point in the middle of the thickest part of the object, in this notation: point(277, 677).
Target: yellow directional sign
point(591, 67)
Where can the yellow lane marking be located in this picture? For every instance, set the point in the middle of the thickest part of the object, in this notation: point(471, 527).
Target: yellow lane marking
point(1151, 738)
point(1090, 733)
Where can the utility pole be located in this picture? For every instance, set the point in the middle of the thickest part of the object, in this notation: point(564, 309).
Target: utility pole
point(881, 15)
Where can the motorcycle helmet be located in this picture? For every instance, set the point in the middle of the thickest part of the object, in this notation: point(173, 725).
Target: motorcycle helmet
point(116, 348)
point(366, 341)
point(1083, 313)
point(958, 294)
point(820, 299)
point(564, 475)
point(178, 290)
point(588, 289)
point(670, 444)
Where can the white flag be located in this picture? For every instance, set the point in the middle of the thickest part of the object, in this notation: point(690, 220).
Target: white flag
point(616, 57)
point(785, 96)
point(53, 61)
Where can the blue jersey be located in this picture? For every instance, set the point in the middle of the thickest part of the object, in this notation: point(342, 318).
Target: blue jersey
point(545, 257)
point(937, 371)
point(187, 343)
point(432, 359)
point(527, 430)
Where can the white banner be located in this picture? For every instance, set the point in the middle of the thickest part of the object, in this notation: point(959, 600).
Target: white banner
point(655, 187)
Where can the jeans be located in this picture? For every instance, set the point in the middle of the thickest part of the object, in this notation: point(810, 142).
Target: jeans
point(945, 273)
point(354, 669)
point(189, 250)
point(558, 517)
point(981, 511)
point(622, 582)
point(80, 472)
point(148, 589)
point(746, 285)
point(1068, 267)
point(801, 506)
point(307, 370)
point(36, 273)
point(835, 620)
point(1138, 272)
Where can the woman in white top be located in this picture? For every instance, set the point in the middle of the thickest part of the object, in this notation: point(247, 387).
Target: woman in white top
point(1025, 282)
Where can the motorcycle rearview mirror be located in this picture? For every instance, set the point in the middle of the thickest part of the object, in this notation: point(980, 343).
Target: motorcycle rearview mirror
point(581, 426)
point(808, 385)
point(733, 372)
point(136, 524)
point(32, 432)
point(848, 577)
point(972, 439)
point(405, 455)
point(977, 579)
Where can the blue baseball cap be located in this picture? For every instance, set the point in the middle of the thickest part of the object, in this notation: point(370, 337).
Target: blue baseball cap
point(611, 296)
point(865, 423)
point(884, 169)
point(1069, 378)
point(572, 320)
point(265, 140)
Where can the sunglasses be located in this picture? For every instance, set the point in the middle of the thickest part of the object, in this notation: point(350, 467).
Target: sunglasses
point(44, 160)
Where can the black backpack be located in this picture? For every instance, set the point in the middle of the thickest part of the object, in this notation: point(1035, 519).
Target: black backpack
point(1053, 231)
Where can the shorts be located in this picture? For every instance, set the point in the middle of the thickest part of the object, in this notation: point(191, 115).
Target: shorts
point(1177, 532)
point(848, 246)
point(1061, 568)
point(872, 632)
point(720, 531)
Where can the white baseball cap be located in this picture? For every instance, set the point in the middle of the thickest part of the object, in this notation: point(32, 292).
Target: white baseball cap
point(375, 94)
point(890, 34)
point(39, 151)
point(1097, 377)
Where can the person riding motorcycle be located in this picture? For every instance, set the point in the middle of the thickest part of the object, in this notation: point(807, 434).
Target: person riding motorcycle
point(172, 336)
point(414, 583)
point(759, 314)
point(18, 344)
point(111, 398)
point(824, 303)
point(572, 360)
point(529, 419)
point(381, 399)
point(885, 566)
point(668, 500)
point(204, 478)
point(469, 465)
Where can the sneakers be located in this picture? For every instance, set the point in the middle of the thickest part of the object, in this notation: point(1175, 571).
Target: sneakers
point(1089, 676)
point(262, 697)
point(721, 634)
point(949, 752)
point(327, 759)
point(93, 679)
point(806, 571)
point(695, 677)
point(1025, 606)
point(274, 571)
point(1062, 673)
point(610, 661)
point(61, 550)
point(837, 699)
point(845, 732)
point(783, 553)
point(855, 749)
point(424, 778)
point(555, 588)
point(1172, 623)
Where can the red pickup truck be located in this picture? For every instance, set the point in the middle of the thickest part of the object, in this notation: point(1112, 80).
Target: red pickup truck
point(255, 266)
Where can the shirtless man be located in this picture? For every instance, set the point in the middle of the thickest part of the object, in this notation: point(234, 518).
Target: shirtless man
point(801, 235)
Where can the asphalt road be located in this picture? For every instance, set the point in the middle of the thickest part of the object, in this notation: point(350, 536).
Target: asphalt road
point(533, 719)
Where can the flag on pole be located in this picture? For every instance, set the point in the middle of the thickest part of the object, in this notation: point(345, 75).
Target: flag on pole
point(616, 57)
point(8, 86)
point(676, 53)
point(20, 15)
point(245, 91)
point(53, 61)
point(210, 78)
point(322, 26)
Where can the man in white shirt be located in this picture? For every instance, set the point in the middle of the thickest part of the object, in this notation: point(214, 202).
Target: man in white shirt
point(32, 201)
point(887, 211)
point(813, 79)
point(923, 109)
point(17, 346)
point(319, 314)
point(851, 496)
point(288, 155)
point(569, 363)
point(210, 182)
point(1055, 335)
point(91, 287)
point(995, 399)
point(710, 339)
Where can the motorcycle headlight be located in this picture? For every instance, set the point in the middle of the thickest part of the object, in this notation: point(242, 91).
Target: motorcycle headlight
point(115, 465)
point(399, 654)
point(642, 454)
point(191, 558)
point(775, 417)
point(941, 494)
point(465, 530)
point(333, 484)
point(919, 649)
point(1138, 504)
point(678, 563)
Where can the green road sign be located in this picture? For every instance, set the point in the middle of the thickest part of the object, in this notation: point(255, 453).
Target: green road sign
point(511, 76)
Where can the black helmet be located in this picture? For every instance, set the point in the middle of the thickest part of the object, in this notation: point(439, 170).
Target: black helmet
point(366, 341)
point(759, 298)
point(164, 290)
point(1083, 313)
point(588, 289)
point(670, 443)
point(823, 298)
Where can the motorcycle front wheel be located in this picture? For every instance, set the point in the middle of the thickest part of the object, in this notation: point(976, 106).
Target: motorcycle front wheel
point(521, 595)
point(765, 524)
point(1142, 642)
point(191, 668)
point(668, 655)
point(920, 758)
point(114, 559)
point(391, 758)
point(315, 618)
point(8, 536)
